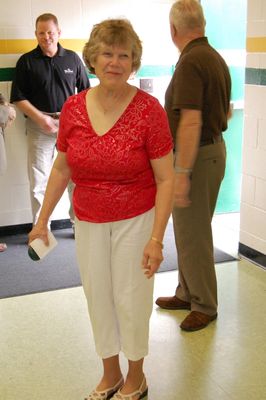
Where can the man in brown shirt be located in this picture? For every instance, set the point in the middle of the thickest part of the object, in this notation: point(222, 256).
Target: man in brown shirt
point(198, 107)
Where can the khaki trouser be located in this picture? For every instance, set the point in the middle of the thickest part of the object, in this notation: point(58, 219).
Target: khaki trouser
point(41, 150)
point(193, 231)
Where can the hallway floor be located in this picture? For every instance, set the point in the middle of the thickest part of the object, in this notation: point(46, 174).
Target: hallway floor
point(47, 351)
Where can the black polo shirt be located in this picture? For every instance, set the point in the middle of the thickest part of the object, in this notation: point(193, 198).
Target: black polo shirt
point(201, 81)
point(46, 82)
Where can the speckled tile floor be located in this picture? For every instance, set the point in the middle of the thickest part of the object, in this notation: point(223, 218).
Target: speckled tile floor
point(47, 350)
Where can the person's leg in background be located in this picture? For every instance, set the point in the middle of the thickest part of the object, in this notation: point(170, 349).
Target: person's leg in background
point(7, 116)
point(193, 234)
point(3, 167)
point(41, 148)
point(70, 189)
point(197, 288)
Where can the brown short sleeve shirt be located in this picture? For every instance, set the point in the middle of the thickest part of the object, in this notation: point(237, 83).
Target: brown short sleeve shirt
point(201, 81)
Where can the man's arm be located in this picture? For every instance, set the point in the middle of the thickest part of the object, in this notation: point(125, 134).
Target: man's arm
point(44, 121)
point(83, 81)
point(21, 87)
point(188, 137)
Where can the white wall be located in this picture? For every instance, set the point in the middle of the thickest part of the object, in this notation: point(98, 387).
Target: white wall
point(253, 199)
point(17, 19)
point(150, 19)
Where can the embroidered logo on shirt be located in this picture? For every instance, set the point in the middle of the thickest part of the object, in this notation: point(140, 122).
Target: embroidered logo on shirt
point(68, 71)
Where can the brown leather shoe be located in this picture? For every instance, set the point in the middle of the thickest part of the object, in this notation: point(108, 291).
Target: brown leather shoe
point(196, 320)
point(172, 303)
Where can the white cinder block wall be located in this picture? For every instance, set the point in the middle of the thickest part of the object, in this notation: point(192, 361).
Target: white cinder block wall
point(150, 19)
point(17, 21)
point(253, 198)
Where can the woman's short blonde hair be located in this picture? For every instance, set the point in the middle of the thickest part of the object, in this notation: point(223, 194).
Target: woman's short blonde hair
point(187, 15)
point(112, 32)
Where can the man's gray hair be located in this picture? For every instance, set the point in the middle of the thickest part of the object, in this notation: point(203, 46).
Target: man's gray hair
point(187, 15)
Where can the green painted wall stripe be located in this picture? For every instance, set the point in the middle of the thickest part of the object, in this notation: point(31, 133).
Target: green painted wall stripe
point(156, 71)
point(255, 76)
point(6, 74)
point(229, 196)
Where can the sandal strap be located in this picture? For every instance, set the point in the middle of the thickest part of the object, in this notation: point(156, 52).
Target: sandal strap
point(107, 393)
point(95, 395)
point(130, 396)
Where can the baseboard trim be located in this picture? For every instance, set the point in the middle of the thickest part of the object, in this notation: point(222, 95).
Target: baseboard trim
point(26, 228)
point(252, 255)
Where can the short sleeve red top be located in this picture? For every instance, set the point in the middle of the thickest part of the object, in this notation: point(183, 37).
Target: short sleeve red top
point(112, 173)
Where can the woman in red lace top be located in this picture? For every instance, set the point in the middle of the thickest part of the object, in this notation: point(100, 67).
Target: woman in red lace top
point(114, 143)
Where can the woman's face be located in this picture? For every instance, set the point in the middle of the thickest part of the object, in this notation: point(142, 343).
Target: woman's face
point(113, 65)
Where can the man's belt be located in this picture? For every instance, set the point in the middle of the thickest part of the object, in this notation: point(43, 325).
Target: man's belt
point(55, 115)
point(212, 140)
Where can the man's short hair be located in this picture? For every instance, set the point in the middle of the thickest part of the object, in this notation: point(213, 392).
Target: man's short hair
point(187, 15)
point(47, 17)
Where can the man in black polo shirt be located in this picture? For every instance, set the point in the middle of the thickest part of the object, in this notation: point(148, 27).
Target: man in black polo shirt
point(44, 78)
point(198, 107)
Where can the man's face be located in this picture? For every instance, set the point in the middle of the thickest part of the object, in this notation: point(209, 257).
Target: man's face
point(47, 34)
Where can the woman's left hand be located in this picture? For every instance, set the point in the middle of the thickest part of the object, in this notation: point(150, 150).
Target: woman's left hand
point(152, 258)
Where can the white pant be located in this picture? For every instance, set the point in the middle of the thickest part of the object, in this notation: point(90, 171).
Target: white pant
point(41, 149)
point(4, 113)
point(3, 162)
point(118, 293)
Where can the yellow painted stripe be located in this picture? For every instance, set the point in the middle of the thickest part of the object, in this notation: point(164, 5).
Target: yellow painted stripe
point(256, 45)
point(20, 46)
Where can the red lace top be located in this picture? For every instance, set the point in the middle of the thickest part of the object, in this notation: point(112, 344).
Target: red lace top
point(113, 175)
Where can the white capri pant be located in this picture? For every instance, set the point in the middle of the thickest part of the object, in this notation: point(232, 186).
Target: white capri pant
point(118, 293)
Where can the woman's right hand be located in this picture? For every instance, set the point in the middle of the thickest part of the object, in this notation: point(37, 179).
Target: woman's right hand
point(39, 231)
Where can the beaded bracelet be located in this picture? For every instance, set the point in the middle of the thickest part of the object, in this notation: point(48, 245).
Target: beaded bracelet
point(157, 241)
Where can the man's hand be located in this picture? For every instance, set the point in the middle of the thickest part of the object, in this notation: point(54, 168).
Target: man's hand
point(48, 124)
point(182, 190)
